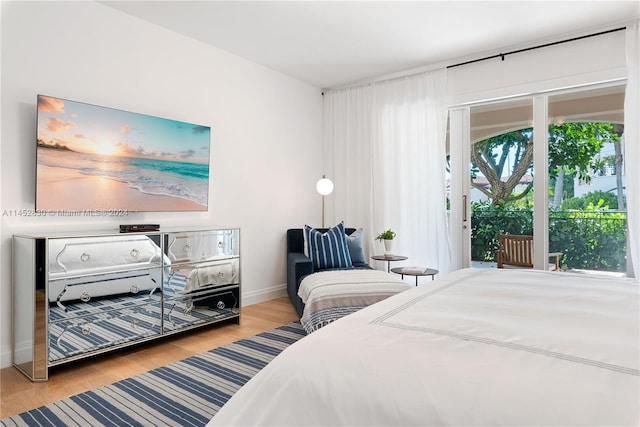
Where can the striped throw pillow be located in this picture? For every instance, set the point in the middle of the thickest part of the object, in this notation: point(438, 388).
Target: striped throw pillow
point(327, 250)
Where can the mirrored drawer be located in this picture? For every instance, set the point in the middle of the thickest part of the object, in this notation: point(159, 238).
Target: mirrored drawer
point(69, 310)
point(80, 335)
point(96, 255)
point(201, 307)
point(202, 245)
point(90, 287)
point(186, 278)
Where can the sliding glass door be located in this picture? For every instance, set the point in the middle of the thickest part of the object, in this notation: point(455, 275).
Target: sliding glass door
point(550, 166)
point(501, 175)
point(587, 203)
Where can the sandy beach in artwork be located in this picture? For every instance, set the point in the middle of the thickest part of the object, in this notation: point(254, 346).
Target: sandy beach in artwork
point(61, 189)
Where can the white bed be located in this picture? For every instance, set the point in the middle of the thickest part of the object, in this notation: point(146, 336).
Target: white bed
point(482, 347)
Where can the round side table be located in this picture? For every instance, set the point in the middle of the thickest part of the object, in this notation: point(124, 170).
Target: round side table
point(389, 258)
point(415, 271)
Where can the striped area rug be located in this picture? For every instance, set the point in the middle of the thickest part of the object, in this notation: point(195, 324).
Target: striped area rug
point(184, 393)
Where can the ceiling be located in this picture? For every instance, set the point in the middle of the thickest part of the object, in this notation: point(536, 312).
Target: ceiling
point(333, 43)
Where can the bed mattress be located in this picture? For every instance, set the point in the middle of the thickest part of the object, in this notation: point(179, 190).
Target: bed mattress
point(477, 348)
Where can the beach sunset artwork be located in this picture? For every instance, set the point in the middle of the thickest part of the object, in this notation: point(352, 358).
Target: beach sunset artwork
point(92, 158)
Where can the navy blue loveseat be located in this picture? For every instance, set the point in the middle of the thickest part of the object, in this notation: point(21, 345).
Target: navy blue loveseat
point(299, 265)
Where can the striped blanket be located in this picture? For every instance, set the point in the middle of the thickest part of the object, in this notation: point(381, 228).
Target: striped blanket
point(332, 294)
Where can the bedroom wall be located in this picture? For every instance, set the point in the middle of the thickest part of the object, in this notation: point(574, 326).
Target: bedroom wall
point(265, 127)
point(580, 62)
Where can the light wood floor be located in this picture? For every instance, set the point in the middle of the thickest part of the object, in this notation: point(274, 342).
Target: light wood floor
point(19, 394)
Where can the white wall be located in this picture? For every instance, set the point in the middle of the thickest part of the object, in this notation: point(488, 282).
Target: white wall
point(580, 62)
point(265, 128)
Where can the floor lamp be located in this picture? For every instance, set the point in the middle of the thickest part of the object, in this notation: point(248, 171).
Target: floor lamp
point(324, 187)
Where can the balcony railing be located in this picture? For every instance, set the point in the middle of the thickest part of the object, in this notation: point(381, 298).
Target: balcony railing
point(606, 170)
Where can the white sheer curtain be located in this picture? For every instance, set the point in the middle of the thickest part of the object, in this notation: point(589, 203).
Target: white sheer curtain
point(632, 144)
point(385, 150)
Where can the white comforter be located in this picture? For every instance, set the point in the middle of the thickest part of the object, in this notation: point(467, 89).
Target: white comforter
point(479, 348)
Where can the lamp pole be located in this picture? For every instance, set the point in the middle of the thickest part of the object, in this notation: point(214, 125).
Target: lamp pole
point(324, 186)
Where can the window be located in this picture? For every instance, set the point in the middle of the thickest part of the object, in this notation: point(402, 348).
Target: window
point(573, 185)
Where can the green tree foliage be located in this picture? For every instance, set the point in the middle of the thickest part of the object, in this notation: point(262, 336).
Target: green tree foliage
point(590, 239)
point(568, 189)
point(490, 156)
point(572, 146)
point(575, 145)
point(603, 199)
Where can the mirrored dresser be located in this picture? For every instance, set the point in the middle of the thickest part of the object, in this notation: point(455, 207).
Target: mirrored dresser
point(76, 296)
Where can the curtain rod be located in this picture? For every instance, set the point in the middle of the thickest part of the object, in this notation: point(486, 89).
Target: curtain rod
point(502, 55)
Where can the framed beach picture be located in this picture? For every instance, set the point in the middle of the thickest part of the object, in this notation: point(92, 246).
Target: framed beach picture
point(99, 159)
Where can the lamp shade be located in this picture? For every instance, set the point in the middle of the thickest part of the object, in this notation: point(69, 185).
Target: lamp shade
point(324, 186)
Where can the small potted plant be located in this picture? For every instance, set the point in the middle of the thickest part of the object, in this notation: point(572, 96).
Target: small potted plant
point(387, 237)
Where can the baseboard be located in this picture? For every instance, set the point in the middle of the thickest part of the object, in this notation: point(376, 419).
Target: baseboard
point(5, 357)
point(262, 295)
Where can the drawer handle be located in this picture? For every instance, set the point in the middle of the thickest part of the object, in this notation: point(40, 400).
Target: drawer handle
point(187, 248)
point(85, 297)
point(221, 245)
point(85, 257)
point(135, 323)
point(220, 274)
point(86, 330)
point(134, 253)
point(134, 289)
point(220, 305)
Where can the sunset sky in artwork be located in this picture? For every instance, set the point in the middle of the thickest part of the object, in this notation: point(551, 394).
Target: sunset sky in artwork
point(92, 129)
